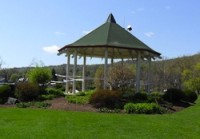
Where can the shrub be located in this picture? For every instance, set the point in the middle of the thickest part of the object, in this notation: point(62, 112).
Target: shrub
point(80, 98)
point(155, 97)
point(105, 98)
point(5, 92)
point(55, 92)
point(33, 104)
point(46, 97)
point(190, 96)
point(174, 95)
point(140, 97)
point(26, 91)
point(142, 108)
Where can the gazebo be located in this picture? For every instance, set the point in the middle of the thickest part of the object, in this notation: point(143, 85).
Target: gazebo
point(108, 41)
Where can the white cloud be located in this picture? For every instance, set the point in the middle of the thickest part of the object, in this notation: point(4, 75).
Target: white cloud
point(59, 33)
point(53, 49)
point(149, 34)
point(86, 31)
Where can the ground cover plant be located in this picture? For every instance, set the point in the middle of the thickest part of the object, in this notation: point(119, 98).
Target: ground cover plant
point(19, 123)
point(80, 98)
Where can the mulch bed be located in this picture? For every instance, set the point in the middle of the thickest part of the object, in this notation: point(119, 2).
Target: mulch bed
point(62, 104)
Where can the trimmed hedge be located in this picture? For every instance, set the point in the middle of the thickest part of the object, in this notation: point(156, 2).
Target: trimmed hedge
point(142, 108)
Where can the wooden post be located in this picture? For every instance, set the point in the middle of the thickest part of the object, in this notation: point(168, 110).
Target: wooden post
point(74, 72)
point(106, 69)
point(149, 75)
point(83, 74)
point(67, 72)
point(138, 72)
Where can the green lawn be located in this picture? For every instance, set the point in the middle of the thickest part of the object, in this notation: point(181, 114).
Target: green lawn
point(41, 124)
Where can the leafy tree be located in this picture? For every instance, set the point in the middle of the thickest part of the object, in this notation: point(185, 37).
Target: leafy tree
point(191, 78)
point(121, 77)
point(39, 75)
point(14, 77)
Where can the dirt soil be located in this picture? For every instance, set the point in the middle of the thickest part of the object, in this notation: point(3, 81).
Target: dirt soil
point(62, 104)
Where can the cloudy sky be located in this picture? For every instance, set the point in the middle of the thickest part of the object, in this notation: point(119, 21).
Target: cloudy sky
point(33, 30)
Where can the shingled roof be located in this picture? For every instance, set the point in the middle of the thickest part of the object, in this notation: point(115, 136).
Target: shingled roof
point(120, 42)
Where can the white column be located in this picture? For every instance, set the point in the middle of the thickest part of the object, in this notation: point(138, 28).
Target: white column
point(149, 75)
point(83, 74)
point(106, 69)
point(138, 72)
point(67, 72)
point(74, 71)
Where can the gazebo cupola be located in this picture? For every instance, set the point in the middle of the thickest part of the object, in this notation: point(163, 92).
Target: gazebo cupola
point(108, 41)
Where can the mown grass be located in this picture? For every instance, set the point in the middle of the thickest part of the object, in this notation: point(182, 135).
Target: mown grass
point(43, 124)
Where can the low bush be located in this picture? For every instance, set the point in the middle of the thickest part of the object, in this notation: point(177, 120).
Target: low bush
point(77, 99)
point(142, 108)
point(5, 92)
point(190, 96)
point(80, 98)
point(26, 91)
point(46, 97)
point(105, 98)
point(33, 104)
point(140, 97)
point(55, 92)
point(155, 97)
point(174, 95)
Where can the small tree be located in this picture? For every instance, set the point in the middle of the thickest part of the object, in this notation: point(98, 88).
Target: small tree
point(99, 78)
point(39, 75)
point(121, 77)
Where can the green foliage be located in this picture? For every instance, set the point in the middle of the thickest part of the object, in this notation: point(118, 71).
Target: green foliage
point(80, 98)
point(177, 95)
point(142, 108)
point(27, 91)
point(105, 98)
point(5, 92)
point(155, 97)
point(173, 95)
point(39, 75)
point(56, 92)
point(98, 78)
point(191, 78)
point(140, 97)
point(190, 96)
point(33, 104)
point(51, 93)
point(14, 77)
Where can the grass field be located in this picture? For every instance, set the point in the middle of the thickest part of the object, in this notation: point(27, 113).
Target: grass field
point(43, 124)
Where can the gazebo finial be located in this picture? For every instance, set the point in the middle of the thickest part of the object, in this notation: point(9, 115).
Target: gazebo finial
point(111, 18)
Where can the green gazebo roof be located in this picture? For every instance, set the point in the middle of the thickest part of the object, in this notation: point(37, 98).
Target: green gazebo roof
point(120, 42)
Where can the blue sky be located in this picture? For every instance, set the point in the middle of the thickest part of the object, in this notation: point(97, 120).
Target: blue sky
point(32, 30)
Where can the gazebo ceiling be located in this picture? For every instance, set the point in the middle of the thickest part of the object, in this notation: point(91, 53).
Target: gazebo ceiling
point(120, 43)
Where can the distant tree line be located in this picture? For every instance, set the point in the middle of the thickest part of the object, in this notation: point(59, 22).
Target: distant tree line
point(181, 73)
